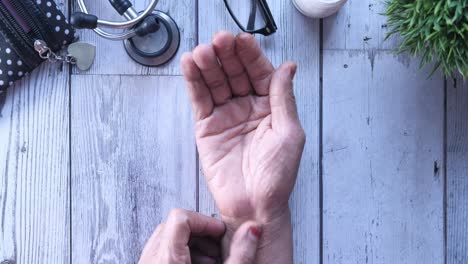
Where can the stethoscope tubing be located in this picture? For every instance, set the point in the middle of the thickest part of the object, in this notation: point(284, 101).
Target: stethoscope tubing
point(119, 25)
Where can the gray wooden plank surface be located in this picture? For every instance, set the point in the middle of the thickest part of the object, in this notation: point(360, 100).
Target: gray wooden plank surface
point(359, 25)
point(34, 169)
point(133, 159)
point(133, 156)
point(457, 171)
point(297, 39)
point(383, 159)
point(111, 55)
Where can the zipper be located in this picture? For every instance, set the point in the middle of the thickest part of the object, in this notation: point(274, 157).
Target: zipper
point(20, 41)
point(35, 19)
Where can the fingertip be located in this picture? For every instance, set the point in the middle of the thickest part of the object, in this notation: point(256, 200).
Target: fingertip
point(185, 60)
point(224, 44)
point(203, 55)
point(186, 57)
point(245, 243)
point(290, 68)
point(190, 70)
point(201, 50)
point(222, 36)
point(245, 36)
point(219, 226)
point(250, 229)
point(293, 69)
point(255, 232)
point(245, 40)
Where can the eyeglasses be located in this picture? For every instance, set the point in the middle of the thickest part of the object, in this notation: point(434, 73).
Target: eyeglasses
point(252, 16)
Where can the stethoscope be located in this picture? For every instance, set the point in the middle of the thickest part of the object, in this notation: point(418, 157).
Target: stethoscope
point(151, 37)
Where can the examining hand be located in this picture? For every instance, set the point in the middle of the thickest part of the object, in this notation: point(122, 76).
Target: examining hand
point(189, 237)
point(248, 135)
point(186, 237)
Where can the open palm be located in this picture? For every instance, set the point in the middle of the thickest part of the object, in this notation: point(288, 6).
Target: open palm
point(248, 133)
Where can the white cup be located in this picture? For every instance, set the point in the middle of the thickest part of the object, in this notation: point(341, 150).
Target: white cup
point(318, 8)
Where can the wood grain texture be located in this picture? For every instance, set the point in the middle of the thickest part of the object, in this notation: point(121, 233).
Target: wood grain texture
point(297, 39)
point(133, 160)
point(383, 181)
point(111, 55)
point(383, 148)
point(457, 171)
point(34, 169)
point(359, 25)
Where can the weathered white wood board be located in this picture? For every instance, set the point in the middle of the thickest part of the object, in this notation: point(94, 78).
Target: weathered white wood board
point(34, 169)
point(133, 156)
point(457, 171)
point(383, 147)
point(359, 25)
point(383, 181)
point(297, 39)
point(133, 160)
point(111, 55)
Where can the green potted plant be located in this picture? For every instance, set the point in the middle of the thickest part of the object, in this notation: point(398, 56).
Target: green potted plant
point(436, 30)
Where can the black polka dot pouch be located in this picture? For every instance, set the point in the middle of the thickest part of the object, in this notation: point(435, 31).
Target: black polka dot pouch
point(30, 32)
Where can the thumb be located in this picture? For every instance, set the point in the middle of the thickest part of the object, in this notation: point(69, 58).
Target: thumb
point(244, 244)
point(282, 100)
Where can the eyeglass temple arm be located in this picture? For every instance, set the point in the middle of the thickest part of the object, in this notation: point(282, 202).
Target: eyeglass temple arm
point(252, 15)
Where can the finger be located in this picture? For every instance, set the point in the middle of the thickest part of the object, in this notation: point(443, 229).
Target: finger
point(282, 100)
point(181, 224)
point(206, 246)
point(151, 247)
point(244, 244)
point(199, 94)
point(198, 258)
point(224, 44)
point(205, 58)
point(258, 67)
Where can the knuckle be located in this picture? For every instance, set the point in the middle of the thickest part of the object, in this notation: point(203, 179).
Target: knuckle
point(216, 83)
point(237, 73)
point(261, 76)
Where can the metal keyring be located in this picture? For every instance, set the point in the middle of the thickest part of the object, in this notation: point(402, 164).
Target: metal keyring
point(163, 55)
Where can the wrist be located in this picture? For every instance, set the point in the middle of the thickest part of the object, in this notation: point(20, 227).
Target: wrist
point(276, 243)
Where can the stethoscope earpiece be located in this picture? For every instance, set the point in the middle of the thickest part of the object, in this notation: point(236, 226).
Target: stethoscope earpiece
point(151, 37)
point(82, 20)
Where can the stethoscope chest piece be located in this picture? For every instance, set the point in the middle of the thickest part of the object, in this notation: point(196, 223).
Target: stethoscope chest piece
point(155, 49)
point(150, 37)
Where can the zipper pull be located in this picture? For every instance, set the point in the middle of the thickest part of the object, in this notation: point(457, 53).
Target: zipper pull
point(80, 54)
point(41, 47)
